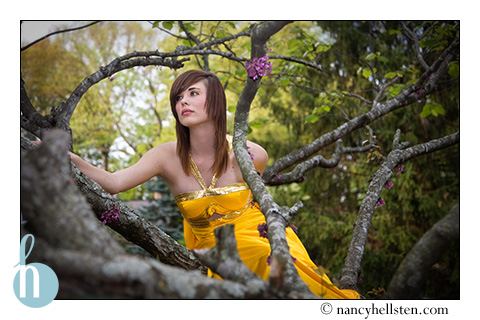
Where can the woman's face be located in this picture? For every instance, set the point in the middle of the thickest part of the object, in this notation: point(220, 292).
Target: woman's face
point(190, 105)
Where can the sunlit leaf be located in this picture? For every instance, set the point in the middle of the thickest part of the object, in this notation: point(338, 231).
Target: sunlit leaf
point(311, 118)
point(366, 73)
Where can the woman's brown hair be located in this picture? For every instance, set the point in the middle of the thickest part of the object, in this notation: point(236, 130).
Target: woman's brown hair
point(216, 106)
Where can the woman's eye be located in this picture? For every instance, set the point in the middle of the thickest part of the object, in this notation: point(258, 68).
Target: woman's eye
point(194, 93)
point(178, 98)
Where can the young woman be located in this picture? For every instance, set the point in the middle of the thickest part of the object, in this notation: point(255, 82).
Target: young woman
point(205, 179)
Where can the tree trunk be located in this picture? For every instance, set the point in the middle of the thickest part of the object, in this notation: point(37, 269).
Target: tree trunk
point(408, 281)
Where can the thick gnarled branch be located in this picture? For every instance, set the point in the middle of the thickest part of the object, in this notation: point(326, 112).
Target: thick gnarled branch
point(409, 279)
point(136, 229)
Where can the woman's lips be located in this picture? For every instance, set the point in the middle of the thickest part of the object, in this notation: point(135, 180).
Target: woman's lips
point(186, 112)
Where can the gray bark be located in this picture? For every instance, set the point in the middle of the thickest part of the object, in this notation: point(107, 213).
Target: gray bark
point(397, 156)
point(408, 281)
point(283, 273)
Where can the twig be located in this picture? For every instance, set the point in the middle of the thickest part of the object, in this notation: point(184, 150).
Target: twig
point(57, 32)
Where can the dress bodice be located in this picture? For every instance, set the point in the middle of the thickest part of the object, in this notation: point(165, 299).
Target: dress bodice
point(210, 207)
point(201, 208)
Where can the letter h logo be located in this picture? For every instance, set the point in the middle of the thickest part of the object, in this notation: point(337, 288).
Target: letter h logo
point(42, 287)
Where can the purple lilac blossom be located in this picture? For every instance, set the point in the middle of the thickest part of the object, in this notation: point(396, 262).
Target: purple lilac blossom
point(262, 228)
point(110, 215)
point(388, 185)
point(380, 202)
point(258, 67)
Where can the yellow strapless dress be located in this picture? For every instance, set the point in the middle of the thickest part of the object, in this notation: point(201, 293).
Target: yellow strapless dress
point(206, 209)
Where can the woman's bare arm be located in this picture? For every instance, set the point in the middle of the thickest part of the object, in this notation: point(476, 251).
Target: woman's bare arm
point(150, 165)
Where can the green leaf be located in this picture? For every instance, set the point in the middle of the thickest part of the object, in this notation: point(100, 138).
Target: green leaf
point(366, 73)
point(220, 34)
point(370, 56)
point(454, 69)
point(167, 25)
point(285, 81)
point(294, 44)
point(395, 89)
point(438, 108)
point(311, 118)
point(382, 59)
point(257, 123)
point(323, 48)
point(187, 43)
point(390, 75)
point(190, 26)
point(433, 108)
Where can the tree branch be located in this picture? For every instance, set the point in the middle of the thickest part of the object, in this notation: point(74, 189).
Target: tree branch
point(416, 45)
point(224, 260)
point(57, 32)
point(135, 59)
point(298, 174)
point(136, 229)
point(283, 273)
point(407, 281)
point(30, 119)
point(424, 86)
point(395, 157)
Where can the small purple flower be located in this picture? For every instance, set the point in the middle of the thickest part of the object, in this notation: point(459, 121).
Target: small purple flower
point(399, 169)
point(269, 260)
point(360, 278)
point(279, 176)
point(263, 228)
point(110, 215)
point(258, 67)
point(380, 202)
point(112, 78)
point(251, 155)
point(388, 185)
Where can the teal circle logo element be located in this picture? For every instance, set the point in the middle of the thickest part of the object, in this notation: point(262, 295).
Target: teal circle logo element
point(35, 284)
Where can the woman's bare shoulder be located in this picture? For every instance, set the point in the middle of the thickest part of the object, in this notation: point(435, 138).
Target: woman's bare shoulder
point(259, 155)
point(165, 150)
point(160, 156)
point(255, 147)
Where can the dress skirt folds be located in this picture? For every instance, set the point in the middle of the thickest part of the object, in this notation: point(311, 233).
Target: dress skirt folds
point(211, 207)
